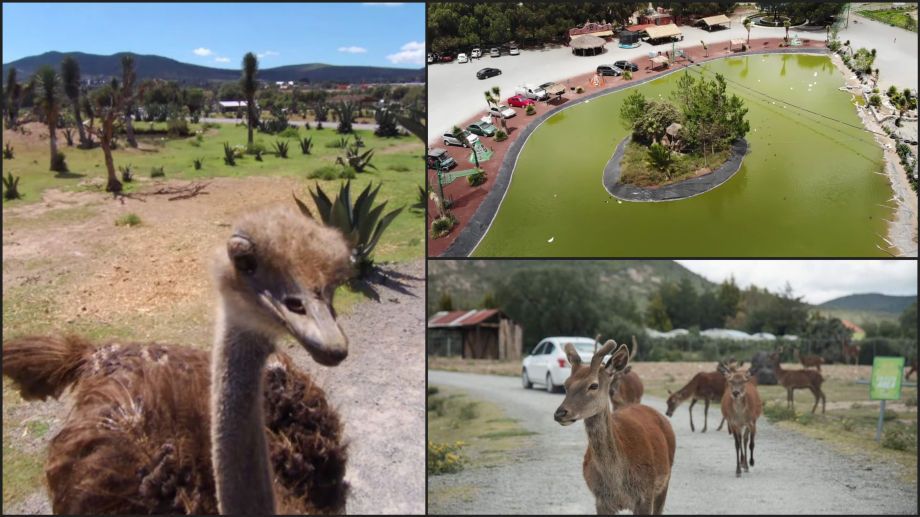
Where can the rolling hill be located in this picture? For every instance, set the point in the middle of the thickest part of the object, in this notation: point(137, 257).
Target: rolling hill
point(468, 281)
point(158, 67)
point(873, 302)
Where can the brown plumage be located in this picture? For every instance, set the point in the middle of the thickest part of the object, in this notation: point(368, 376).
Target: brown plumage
point(149, 425)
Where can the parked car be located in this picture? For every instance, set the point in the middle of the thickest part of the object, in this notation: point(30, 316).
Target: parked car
point(461, 58)
point(466, 139)
point(447, 58)
point(514, 51)
point(438, 159)
point(626, 65)
point(519, 101)
point(430, 58)
point(609, 70)
point(502, 111)
point(531, 92)
point(481, 128)
point(488, 72)
point(494, 52)
point(548, 365)
point(476, 53)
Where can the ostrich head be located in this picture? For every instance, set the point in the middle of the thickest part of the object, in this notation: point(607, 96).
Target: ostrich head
point(278, 275)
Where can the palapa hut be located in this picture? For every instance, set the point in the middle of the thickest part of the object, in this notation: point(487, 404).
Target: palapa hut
point(588, 45)
point(713, 22)
point(659, 61)
point(736, 43)
point(475, 334)
point(663, 32)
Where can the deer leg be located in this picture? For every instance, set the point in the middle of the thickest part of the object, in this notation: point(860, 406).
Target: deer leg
point(790, 400)
point(744, 444)
point(706, 415)
point(737, 438)
point(645, 506)
point(721, 424)
point(659, 501)
point(817, 393)
point(606, 507)
point(692, 402)
point(823, 400)
point(753, 433)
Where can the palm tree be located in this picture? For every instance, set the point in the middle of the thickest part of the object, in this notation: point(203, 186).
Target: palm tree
point(48, 99)
point(250, 85)
point(747, 27)
point(128, 76)
point(786, 26)
point(705, 48)
point(70, 76)
point(497, 99)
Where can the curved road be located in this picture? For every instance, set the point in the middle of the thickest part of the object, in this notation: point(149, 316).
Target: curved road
point(794, 474)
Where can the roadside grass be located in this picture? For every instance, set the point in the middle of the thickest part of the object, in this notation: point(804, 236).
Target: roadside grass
point(486, 433)
point(481, 366)
point(894, 17)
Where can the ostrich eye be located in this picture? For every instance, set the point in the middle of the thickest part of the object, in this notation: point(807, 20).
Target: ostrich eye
point(245, 264)
point(593, 386)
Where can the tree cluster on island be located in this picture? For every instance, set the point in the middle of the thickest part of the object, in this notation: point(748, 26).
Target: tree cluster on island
point(702, 120)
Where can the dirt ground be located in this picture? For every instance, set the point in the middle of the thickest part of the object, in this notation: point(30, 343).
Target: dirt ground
point(68, 268)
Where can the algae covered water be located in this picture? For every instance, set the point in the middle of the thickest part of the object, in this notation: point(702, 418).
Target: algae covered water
point(809, 187)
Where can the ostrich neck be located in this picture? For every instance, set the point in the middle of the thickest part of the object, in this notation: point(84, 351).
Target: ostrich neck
point(241, 467)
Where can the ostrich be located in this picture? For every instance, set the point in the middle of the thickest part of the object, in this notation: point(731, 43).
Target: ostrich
point(171, 429)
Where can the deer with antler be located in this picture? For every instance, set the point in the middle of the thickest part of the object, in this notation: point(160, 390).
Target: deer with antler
point(626, 388)
point(798, 379)
point(741, 407)
point(627, 464)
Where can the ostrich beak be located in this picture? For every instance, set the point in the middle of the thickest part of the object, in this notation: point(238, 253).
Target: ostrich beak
point(311, 321)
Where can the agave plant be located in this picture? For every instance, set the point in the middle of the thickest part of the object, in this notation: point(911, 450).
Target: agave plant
point(7, 151)
point(355, 160)
point(229, 156)
point(387, 125)
point(422, 202)
point(127, 175)
point(281, 147)
point(361, 222)
point(359, 142)
point(346, 113)
point(306, 144)
point(258, 154)
point(11, 187)
point(198, 162)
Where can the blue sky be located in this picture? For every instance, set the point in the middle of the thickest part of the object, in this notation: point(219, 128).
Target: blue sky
point(219, 34)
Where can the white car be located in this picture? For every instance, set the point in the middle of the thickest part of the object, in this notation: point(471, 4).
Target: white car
point(467, 141)
point(502, 111)
point(461, 58)
point(476, 53)
point(514, 51)
point(532, 92)
point(495, 53)
point(548, 365)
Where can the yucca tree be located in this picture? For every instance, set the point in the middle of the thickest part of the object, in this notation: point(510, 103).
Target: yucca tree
point(107, 101)
point(128, 78)
point(70, 76)
point(747, 27)
point(13, 94)
point(250, 85)
point(48, 99)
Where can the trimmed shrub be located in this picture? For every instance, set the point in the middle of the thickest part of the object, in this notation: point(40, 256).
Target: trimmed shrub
point(476, 179)
point(500, 136)
point(442, 226)
point(157, 172)
point(530, 110)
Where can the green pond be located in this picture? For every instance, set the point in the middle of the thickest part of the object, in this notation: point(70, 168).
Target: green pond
point(809, 187)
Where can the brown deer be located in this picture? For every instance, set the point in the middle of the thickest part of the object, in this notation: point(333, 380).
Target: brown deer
point(627, 464)
point(851, 352)
point(627, 388)
point(913, 368)
point(810, 360)
point(741, 407)
point(706, 386)
point(797, 379)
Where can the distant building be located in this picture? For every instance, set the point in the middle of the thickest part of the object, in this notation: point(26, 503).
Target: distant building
point(475, 334)
point(661, 16)
point(858, 332)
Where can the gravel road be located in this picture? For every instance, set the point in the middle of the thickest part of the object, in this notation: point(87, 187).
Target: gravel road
point(329, 125)
point(794, 474)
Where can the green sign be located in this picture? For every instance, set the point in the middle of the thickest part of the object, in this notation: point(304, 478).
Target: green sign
point(886, 378)
point(480, 152)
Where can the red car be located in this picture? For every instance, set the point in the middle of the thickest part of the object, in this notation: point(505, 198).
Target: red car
point(519, 101)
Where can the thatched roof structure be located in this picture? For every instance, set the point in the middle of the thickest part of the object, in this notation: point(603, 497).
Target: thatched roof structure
point(587, 45)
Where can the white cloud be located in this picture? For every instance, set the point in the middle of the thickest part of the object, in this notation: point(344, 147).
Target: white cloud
point(353, 50)
point(268, 53)
point(816, 280)
point(203, 52)
point(222, 59)
point(411, 53)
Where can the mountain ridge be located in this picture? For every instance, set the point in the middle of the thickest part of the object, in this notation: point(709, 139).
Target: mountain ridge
point(152, 66)
point(875, 302)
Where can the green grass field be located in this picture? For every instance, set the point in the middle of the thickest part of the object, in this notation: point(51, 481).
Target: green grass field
point(895, 17)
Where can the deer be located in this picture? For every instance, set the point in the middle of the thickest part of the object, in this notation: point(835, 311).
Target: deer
point(627, 464)
point(797, 379)
point(741, 407)
point(913, 367)
point(706, 386)
point(851, 352)
point(626, 388)
point(810, 360)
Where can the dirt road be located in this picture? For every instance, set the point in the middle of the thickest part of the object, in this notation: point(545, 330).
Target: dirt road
point(794, 474)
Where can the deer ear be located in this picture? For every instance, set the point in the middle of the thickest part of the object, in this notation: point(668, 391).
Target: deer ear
point(618, 361)
point(723, 370)
point(572, 355)
point(670, 392)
